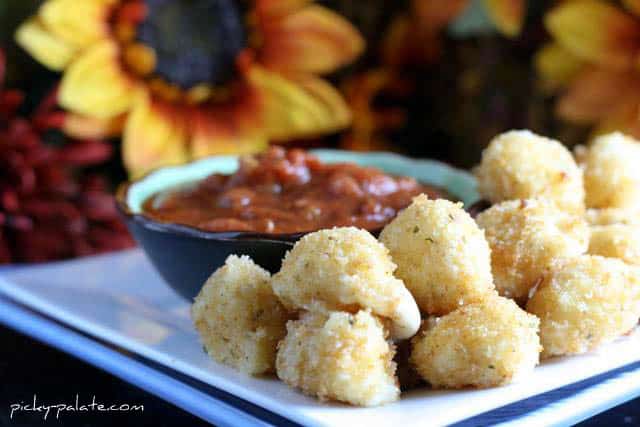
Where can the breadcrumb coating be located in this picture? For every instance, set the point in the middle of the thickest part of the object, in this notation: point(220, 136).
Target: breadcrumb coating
point(608, 216)
point(612, 175)
point(442, 255)
point(525, 237)
point(239, 319)
point(616, 241)
point(522, 165)
point(584, 302)
point(346, 269)
point(339, 356)
point(483, 344)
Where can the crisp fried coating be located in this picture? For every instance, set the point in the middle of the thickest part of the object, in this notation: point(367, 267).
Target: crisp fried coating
point(616, 241)
point(612, 175)
point(609, 216)
point(584, 302)
point(339, 356)
point(239, 319)
point(442, 255)
point(526, 236)
point(484, 344)
point(522, 165)
point(346, 269)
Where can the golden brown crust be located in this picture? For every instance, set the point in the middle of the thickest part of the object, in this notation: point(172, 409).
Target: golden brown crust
point(339, 356)
point(612, 175)
point(442, 255)
point(479, 345)
point(522, 165)
point(584, 302)
point(525, 237)
point(616, 241)
point(239, 319)
point(609, 216)
point(346, 269)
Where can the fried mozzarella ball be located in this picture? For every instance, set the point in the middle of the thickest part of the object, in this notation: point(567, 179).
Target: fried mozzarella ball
point(609, 216)
point(522, 165)
point(346, 269)
point(525, 236)
point(442, 255)
point(584, 302)
point(238, 317)
point(616, 241)
point(339, 356)
point(483, 344)
point(612, 175)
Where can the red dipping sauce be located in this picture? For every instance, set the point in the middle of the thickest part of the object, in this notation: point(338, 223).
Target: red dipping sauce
point(286, 192)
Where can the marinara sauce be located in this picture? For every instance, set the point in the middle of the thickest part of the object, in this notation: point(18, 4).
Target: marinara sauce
point(282, 192)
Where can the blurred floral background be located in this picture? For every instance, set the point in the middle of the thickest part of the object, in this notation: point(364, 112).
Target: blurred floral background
point(97, 91)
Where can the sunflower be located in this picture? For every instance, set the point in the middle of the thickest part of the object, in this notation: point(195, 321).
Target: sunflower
point(592, 63)
point(372, 123)
point(183, 79)
point(414, 37)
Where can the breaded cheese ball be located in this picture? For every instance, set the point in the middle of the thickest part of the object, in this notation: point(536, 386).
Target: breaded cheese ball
point(609, 216)
point(442, 255)
point(525, 236)
point(584, 302)
point(339, 356)
point(522, 165)
point(612, 175)
point(483, 344)
point(346, 269)
point(616, 241)
point(239, 319)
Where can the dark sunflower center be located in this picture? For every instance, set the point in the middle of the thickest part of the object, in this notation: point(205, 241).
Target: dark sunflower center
point(195, 41)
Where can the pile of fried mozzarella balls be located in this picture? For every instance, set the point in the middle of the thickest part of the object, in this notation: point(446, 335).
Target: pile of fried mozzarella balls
point(549, 269)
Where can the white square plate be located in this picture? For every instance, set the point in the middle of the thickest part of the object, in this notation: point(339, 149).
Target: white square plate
point(119, 299)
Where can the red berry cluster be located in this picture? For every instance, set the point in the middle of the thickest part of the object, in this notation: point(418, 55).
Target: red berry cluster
point(50, 208)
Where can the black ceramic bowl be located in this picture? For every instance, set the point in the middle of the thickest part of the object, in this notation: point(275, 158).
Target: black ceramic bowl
point(185, 256)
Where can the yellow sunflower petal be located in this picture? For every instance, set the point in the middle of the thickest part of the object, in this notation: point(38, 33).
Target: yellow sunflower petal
point(556, 66)
point(297, 108)
point(155, 135)
point(594, 94)
point(330, 98)
point(82, 127)
point(234, 126)
point(45, 47)
point(595, 31)
point(213, 136)
point(95, 84)
point(508, 15)
point(313, 39)
point(79, 23)
point(632, 6)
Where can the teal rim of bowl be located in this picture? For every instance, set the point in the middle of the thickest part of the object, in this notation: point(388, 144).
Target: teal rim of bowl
point(459, 183)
